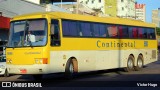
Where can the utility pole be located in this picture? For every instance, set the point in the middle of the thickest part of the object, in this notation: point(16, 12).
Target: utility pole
point(61, 3)
point(77, 6)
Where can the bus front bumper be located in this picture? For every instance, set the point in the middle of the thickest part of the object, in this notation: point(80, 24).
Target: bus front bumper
point(27, 69)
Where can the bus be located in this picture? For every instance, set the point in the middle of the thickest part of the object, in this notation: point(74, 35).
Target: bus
point(56, 42)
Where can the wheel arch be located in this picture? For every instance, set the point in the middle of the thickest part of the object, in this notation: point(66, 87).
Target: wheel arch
point(141, 56)
point(133, 58)
point(74, 61)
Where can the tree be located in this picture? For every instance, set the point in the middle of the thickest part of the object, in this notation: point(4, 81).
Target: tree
point(158, 31)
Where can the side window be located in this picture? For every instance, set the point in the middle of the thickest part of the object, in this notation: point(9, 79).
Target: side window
point(142, 33)
point(70, 28)
point(103, 32)
point(99, 30)
point(112, 31)
point(85, 29)
point(123, 31)
point(55, 34)
point(151, 33)
point(145, 33)
point(96, 30)
point(133, 32)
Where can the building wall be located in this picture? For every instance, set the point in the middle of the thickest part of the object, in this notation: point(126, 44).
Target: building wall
point(126, 8)
point(11, 8)
point(34, 1)
point(94, 4)
point(156, 17)
point(111, 7)
point(140, 12)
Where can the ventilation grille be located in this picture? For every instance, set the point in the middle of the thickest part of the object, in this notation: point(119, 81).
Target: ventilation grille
point(153, 54)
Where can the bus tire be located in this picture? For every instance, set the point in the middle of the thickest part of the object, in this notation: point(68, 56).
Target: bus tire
point(130, 64)
point(6, 74)
point(37, 77)
point(69, 71)
point(140, 63)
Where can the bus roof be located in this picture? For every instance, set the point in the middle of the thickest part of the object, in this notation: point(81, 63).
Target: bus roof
point(109, 20)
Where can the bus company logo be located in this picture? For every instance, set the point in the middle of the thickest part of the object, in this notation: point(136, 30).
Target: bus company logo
point(10, 53)
point(145, 43)
point(6, 84)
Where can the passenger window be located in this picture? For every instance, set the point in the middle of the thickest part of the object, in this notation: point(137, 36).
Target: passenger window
point(123, 31)
point(85, 29)
point(133, 32)
point(70, 28)
point(103, 32)
point(99, 30)
point(142, 33)
point(112, 31)
point(55, 34)
point(96, 30)
point(151, 33)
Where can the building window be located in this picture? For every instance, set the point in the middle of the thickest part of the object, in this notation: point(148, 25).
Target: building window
point(122, 8)
point(99, 1)
point(122, 1)
point(92, 1)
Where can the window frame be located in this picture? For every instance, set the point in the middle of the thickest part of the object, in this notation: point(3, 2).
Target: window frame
point(59, 23)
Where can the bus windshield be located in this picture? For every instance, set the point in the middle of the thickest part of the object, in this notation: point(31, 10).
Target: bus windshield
point(28, 33)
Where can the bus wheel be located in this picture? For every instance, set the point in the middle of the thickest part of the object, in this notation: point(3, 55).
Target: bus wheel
point(6, 74)
point(139, 63)
point(130, 64)
point(37, 77)
point(69, 72)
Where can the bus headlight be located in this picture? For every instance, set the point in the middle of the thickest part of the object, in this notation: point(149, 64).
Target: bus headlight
point(9, 61)
point(41, 61)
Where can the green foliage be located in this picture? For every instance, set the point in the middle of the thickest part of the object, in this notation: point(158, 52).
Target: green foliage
point(158, 31)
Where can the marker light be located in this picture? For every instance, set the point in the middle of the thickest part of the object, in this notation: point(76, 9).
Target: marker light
point(41, 61)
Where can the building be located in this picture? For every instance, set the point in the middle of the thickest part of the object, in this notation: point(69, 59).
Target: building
point(111, 7)
point(10, 8)
point(34, 1)
point(97, 5)
point(4, 28)
point(156, 17)
point(82, 9)
point(140, 12)
point(126, 8)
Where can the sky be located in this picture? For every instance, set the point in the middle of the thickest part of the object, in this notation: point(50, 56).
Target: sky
point(150, 5)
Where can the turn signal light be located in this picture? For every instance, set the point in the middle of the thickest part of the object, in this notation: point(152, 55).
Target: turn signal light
point(41, 61)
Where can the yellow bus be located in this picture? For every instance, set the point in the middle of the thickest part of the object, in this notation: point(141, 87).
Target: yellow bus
point(56, 42)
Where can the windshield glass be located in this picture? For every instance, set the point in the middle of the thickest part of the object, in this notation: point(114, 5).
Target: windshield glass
point(28, 33)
